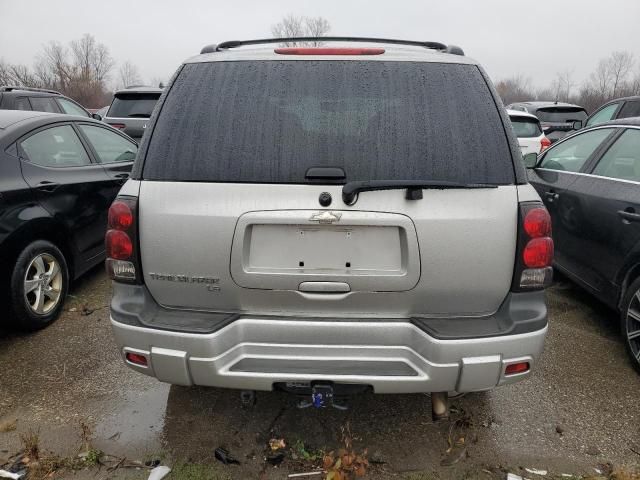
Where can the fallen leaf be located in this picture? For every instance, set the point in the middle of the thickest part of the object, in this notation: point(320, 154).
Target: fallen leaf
point(276, 444)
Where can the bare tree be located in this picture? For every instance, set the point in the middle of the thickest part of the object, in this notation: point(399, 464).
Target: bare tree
point(515, 89)
point(23, 76)
point(612, 78)
point(129, 74)
point(316, 27)
point(293, 26)
point(5, 73)
point(91, 59)
point(54, 62)
point(562, 86)
point(620, 67)
point(601, 77)
point(635, 84)
point(289, 27)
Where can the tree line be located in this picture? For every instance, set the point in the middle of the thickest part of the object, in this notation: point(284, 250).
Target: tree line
point(81, 70)
point(84, 70)
point(615, 76)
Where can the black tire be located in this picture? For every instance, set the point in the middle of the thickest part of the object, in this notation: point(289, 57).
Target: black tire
point(25, 316)
point(630, 322)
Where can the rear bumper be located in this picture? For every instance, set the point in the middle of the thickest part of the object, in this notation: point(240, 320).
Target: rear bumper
point(392, 356)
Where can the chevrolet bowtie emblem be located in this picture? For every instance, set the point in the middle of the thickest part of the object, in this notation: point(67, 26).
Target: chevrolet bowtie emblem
point(325, 217)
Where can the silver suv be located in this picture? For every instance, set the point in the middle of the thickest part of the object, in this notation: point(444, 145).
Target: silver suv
point(321, 220)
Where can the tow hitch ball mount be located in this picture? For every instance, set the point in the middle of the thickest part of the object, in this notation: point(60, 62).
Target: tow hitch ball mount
point(322, 397)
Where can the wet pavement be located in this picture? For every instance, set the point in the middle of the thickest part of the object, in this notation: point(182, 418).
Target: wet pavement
point(585, 388)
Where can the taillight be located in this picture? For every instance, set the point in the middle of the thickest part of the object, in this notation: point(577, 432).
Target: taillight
point(123, 262)
point(544, 144)
point(119, 126)
point(120, 215)
point(537, 223)
point(329, 51)
point(538, 253)
point(534, 256)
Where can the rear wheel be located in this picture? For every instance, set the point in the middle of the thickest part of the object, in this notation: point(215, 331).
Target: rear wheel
point(630, 317)
point(39, 284)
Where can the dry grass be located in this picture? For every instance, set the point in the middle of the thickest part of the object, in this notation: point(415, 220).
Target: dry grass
point(625, 475)
point(30, 444)
point(7, 426)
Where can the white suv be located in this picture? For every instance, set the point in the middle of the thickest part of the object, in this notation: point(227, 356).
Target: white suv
point(330, 220)
point(529, 133)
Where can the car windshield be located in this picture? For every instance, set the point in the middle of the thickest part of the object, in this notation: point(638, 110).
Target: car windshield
point(561, 114)
point(133, 105)
point(376, 120)
point(526, 127)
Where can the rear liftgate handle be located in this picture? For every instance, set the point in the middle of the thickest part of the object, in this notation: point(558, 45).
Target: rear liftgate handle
point(324, 287)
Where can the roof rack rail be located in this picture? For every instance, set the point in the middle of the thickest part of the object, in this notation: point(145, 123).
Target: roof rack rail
point(10, 88)
point(452, 49)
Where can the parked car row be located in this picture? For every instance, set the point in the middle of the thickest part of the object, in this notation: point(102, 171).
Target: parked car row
point(556, 118)
point(560, 119)
point(297, 234)
point(129, 111)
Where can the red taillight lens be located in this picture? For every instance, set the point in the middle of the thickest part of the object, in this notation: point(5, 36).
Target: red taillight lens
point(119, 126)
point(329, 51)
point(534, 255)
point(123, 260)
point(516, 368)
point(120, 216)
point(137, 359)
point(538, 253)
point(544, 144)
point(119, 245)
point(537, 223)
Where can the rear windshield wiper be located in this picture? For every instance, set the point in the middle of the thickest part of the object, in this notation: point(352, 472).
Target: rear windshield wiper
point(138, 115)
point(414, 187)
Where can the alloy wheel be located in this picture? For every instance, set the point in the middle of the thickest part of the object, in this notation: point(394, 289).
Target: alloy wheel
point(632, 329)
point(43, 284)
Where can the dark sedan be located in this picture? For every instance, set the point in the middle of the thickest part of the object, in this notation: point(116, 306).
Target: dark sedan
point(58, 176)
point(590, 183)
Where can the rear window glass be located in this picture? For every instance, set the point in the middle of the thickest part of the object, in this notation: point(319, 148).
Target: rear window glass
point(138, 105)
point(561, 114)
point(270, 121)
point(525, 127)
point(630, 109)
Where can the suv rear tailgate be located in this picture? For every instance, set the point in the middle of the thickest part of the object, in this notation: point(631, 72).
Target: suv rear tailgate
point(199, 249)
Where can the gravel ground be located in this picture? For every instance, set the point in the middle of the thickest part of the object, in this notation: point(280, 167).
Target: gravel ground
point(580, 409)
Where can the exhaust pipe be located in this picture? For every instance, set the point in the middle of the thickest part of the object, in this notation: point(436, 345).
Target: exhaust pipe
point(439, 406)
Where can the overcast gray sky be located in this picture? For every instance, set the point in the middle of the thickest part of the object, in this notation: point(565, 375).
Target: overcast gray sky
point(535, 38)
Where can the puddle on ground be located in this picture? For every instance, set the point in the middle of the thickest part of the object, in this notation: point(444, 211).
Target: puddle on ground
point(134, 426)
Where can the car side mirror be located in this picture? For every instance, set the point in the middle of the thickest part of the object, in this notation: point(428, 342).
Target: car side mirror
point(577, 124)
point(530, 160)
point(96, 116)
